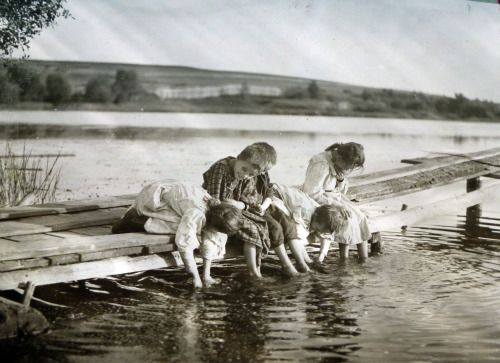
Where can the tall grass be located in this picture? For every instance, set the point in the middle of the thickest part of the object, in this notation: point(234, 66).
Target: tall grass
point(27, 178)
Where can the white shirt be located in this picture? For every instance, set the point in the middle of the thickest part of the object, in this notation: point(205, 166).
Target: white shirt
point(321, 182)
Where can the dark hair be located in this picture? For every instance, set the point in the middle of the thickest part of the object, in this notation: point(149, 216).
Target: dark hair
point(260, 154)
point(328, 216)
point(351, 152)
point(224, 218)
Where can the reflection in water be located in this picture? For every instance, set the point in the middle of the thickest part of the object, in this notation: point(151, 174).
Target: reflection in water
point(432, 295)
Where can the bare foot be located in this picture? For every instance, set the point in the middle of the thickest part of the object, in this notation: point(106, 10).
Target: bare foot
point(197, 283)
point(290, 272)
point(207, 282)
point(304, 268)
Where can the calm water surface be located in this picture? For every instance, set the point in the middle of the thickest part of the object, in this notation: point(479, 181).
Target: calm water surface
point(433, 295)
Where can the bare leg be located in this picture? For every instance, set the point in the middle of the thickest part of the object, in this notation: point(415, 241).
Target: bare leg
point(363, 249)
point(297, 249)
point(207, 279)
point(325, 245)
point(251, 260)
point(306, 256)
point(190, 265)
point(343, 250)
point(285, 261)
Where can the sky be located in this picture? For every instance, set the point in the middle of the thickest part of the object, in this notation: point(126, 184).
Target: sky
point(439, 47)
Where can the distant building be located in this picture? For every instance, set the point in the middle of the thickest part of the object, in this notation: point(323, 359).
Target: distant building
point(216, 91)
point(344, 106)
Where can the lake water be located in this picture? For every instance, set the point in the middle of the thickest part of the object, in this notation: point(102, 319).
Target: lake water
point(433, 295)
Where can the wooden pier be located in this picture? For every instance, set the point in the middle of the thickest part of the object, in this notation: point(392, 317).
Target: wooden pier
point(62, 242)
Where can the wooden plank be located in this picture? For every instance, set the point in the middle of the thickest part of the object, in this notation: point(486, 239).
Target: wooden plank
point(102, 255)
point(423, 180)
point(492, 155)
point(93, 231)
point(10, 228)
point(23, 264)
point(85, 270)
point(63, 259)
point(36, 237)
point(61, 222)
point(67, 207)
point(81, 245)
point(493, 176)
point(64, 234)
point(448, 158)
point(414, 215)
point(161, 247)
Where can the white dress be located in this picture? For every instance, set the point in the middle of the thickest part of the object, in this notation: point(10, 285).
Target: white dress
point(178, 207)
point(322, 185)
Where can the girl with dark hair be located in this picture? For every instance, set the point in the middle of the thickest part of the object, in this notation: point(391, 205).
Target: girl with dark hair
point(326, 182)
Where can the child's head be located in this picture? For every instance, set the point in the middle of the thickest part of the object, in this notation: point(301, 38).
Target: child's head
point(254, 159)
point(326, 219)
point(224, 218)
point(348, 156)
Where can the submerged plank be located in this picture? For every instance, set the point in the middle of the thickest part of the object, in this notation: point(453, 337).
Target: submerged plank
point(414, 215)
point(36, 249)
point(86, 270)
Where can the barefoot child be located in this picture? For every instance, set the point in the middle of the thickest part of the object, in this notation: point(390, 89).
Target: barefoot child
point(314, 222)
point(237, 181)
point(326, 182)
point(180, 208)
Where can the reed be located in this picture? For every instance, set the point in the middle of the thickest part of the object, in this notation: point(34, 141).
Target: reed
point(27, 179)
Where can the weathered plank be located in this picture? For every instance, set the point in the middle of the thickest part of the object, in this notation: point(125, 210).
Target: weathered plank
point(67, 207)
point(36, 237)
point(63, 259)
point(424, 179)
point(23, 264)
point(422, 167)
point(80, 245)
point(86, 270)
point(93, 231)
point(60, 222)
point(102, 255)
point(414, 215)
point(449, 158)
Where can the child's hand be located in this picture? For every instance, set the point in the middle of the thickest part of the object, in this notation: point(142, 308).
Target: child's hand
point(345, 213)
point(256, 209)
point(234, 203)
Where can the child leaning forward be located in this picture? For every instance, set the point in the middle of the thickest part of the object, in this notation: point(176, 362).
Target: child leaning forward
point(323, 223)
point(188, 211)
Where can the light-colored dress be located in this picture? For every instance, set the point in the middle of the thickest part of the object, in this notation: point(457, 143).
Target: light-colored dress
point(178, 207)
point(322, 185)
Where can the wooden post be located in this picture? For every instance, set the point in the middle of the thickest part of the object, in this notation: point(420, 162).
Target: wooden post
point(473, 214)
point(28, 293)
point(404, 207)
point(375, 243)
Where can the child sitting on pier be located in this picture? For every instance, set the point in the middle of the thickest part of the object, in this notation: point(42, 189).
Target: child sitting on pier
point(244, 182)
point(326, 182)
point(323, 223)
point(188, 211)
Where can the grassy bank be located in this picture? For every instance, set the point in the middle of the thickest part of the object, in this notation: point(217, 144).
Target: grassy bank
point(41, 85)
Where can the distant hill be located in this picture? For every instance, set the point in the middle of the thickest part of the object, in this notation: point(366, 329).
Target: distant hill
point(130, 87)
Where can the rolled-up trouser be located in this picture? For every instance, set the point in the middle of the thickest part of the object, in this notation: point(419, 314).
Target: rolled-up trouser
point(281, 227)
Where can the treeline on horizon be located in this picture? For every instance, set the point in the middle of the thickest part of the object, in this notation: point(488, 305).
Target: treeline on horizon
point(23, 87)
